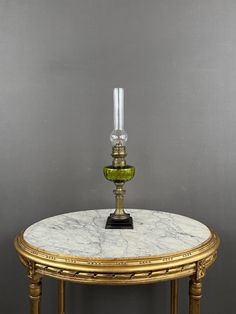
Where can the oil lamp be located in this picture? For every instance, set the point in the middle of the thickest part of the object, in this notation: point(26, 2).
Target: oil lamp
point(119, 172)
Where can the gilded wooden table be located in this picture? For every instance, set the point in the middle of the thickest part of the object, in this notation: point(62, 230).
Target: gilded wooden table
point(76, 247)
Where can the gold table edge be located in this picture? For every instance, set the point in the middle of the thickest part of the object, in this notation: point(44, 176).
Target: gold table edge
point(117, 271)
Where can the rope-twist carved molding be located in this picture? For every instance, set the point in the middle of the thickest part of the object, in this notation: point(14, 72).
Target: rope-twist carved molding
point(127, 277)
point(127, 271)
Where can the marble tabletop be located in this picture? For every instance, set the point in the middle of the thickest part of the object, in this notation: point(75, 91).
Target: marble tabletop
point(83, 234)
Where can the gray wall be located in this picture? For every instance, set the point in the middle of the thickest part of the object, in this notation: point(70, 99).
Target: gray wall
point(59, 61)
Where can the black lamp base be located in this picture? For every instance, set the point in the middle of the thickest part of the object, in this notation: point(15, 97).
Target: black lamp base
point(119, 223)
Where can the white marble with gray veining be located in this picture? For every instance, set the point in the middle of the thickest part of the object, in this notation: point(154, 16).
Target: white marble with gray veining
point(83, 234)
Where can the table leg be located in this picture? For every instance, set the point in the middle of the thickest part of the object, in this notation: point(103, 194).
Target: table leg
point(195, 294)
point(35, 292)
point(61, 297)
point(174, 296)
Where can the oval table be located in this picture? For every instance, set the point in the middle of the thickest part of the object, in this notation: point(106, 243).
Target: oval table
point(77, 247)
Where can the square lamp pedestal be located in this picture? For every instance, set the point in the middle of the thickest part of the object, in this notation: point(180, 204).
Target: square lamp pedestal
point(119, 223)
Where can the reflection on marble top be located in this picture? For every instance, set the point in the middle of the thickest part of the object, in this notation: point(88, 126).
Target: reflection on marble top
point(83, 234)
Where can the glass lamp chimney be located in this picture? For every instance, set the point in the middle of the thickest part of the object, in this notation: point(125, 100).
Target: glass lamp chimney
point(118, 135)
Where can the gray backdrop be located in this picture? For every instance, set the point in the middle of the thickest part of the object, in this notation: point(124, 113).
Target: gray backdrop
point(59, 61)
